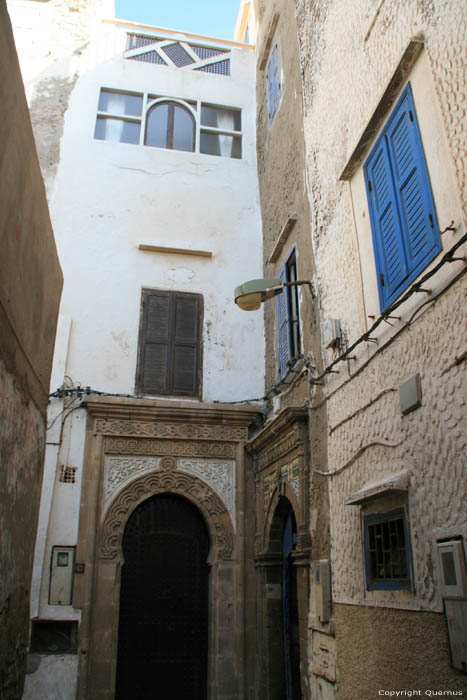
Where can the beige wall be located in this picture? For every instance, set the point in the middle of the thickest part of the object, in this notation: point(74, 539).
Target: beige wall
point(350, 51)
point(283, 192)
point(30, 287)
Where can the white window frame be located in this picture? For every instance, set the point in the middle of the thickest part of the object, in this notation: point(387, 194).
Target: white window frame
point(193, 106)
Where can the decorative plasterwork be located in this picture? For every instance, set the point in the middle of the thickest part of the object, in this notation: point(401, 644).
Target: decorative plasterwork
point(182, 431)
point(219, 475)
point(136, 446)
point(289, 473)
point(119, 470)
point(286, 444)
point(285, 433)
point(167, 479)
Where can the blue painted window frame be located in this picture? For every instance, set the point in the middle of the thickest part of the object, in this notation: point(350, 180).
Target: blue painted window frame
point(402, 213)
point(387, 584)
point(285, 318)
point(273, 81)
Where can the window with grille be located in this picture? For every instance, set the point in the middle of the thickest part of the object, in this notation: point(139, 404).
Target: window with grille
point(177, 54)
point(402, 214)
point(387, 550)
point(170, 344)
point(175, 124)
point(67, 474)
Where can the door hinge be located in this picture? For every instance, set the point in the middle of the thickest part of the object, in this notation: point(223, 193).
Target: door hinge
point(381, 279)
point(431, 220)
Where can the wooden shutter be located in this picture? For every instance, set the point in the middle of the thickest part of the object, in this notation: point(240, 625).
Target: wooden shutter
point(269, 90)
point(387, 234)
point(283, 327)
point(412, 186)
point(170, 344)
point(401, 208)
point(154, 342)
point(186, 344)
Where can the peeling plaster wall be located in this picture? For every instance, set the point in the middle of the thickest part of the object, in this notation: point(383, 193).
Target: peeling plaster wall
point(349, 51)
point(50, 38)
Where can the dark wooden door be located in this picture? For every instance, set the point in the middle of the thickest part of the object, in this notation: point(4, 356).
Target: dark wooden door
point(163, 624)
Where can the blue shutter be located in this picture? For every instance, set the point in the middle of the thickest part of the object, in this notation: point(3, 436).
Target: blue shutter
point(401, 207)
point(283, 327)
point(268, 89)
point(387, 235)
point(412, 186)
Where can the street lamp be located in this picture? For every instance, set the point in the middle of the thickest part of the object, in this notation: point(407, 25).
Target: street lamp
point(250, 295)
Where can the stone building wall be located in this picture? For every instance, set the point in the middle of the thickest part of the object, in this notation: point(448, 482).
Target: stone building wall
point(30, 287)
point(281, 465)
point(356, 58)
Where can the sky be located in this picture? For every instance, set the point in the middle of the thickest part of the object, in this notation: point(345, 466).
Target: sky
point(215, 18)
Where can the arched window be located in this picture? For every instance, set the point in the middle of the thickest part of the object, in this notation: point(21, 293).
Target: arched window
point(170, 125)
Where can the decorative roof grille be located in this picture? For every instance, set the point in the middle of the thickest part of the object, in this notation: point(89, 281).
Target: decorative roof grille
point(148, 57)
point(205, 51)
point(178, 55)
point(156, 50)
point(136, 41)
point(221, 68)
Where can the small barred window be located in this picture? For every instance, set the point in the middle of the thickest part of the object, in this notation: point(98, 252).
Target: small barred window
point(67, 474)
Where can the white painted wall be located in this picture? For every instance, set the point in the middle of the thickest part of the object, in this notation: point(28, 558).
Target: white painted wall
point(111, 197)
point(107, 199)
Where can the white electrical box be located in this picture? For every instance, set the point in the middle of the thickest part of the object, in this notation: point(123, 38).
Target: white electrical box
point(453, 571)
point(322, 589)
point(453, 586)
point(332, 333)
point(61, 575)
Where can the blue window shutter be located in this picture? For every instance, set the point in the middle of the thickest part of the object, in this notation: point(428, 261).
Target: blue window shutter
point(283, 327)
point(268, 89)
point(412, 186)
point(387, 235)
point(401, 207)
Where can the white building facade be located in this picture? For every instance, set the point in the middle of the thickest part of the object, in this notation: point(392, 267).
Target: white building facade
point(154, 204)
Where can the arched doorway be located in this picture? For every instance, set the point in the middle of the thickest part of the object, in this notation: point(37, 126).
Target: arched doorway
point(280, 607)
point(290, 610)
point(163, 621)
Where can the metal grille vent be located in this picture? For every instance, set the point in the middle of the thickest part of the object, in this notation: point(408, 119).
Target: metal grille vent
point(178, 55)
point(221, 68)
point(67, 475)
point(149, 57)
point(205, 52)
point(137, 41)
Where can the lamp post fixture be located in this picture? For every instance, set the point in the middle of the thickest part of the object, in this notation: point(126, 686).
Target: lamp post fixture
point(250, 295)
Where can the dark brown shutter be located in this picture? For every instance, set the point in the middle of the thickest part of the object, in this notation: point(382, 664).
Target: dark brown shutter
point(186, 344)
point(155, 339)
point(170, 343)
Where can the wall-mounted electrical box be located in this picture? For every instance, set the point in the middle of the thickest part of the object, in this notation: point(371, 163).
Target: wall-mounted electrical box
point(453, 585)
point(322, 589)
point(332, 333)
point(61, 575)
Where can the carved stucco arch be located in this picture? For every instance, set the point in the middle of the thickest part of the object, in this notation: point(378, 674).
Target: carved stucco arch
point(167, 480)
point(282, 490)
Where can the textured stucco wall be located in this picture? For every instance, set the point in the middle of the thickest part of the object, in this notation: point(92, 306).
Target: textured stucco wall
point(349, 51)
point(420, 653)
point(30, 286)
